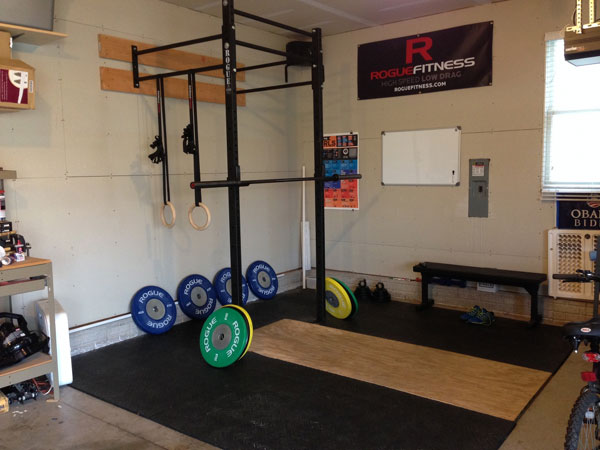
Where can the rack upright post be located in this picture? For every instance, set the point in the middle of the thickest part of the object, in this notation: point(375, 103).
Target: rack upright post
point(233, 167)
point(317, 87)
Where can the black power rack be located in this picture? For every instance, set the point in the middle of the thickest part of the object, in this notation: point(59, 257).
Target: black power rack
point(234, 181)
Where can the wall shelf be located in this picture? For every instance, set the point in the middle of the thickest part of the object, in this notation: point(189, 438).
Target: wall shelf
point(29, 35)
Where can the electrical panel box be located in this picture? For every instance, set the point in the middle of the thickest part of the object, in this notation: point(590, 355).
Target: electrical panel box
point(479, 179)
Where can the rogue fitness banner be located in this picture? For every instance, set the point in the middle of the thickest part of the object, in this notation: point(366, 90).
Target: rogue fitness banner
point(455, 58)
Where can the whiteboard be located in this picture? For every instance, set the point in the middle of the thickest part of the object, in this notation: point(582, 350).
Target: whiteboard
point(421, 157)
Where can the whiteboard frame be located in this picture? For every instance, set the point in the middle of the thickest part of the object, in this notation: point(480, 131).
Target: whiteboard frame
point(448, 175)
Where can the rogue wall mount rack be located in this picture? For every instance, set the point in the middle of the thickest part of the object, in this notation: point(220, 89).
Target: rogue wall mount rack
point(234, 181)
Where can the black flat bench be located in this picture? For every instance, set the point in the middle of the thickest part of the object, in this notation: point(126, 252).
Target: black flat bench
point(528, 280)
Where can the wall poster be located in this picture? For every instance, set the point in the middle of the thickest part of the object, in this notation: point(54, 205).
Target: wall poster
point(454, 58)
point(340, 155)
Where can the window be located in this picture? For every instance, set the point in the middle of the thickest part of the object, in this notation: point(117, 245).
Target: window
point(571, 167)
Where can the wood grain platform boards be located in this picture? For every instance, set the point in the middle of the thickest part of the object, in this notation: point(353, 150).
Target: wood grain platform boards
point(489, 387)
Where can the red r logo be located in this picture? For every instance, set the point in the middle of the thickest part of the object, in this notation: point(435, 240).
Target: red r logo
point(411, 48)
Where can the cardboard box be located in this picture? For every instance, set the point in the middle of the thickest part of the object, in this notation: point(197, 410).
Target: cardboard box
point(17, 80)
point(5, 50)
point(17, 85)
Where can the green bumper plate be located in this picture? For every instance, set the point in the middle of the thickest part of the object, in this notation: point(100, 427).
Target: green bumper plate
point(224, 337)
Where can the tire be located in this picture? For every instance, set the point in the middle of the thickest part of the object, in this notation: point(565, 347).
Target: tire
point(582, 432)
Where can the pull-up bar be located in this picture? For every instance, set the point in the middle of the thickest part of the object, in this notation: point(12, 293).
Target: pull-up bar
point(179, 72)
point(135, 53)
point(227, 183)
point(214, 37)
point(261, 66)
point(271, 88)
point(271, 22)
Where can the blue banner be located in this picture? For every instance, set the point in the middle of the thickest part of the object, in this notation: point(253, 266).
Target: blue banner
point(578, 215)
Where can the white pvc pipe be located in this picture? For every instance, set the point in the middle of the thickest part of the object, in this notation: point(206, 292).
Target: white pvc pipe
point(302, 226)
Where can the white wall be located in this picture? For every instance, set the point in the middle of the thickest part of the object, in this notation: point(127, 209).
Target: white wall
point(88, 197)
point(399, 226)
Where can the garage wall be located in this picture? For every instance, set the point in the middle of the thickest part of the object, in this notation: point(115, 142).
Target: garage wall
point(398, 226)
point(88, 197)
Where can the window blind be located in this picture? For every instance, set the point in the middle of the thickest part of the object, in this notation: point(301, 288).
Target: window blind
point(571, 162)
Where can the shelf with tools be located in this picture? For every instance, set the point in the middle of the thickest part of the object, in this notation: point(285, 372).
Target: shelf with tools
point(33, 274)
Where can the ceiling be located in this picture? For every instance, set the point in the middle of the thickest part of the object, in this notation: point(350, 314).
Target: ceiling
point(332, 16)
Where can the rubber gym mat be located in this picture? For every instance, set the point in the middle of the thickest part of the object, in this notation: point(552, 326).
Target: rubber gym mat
point(508, 341)
point(271, 404)
point(266, 403)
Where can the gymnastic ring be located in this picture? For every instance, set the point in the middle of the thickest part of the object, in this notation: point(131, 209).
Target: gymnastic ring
point(162, 215)
point(191, 218)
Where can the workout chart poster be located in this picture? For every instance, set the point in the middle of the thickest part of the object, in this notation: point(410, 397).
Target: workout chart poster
point(340, 155)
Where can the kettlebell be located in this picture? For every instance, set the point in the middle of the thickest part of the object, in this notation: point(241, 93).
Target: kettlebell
point(362, 292)
point(381, 294)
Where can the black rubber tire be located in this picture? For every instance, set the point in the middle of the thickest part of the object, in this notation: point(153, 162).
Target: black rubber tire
point(587, 399)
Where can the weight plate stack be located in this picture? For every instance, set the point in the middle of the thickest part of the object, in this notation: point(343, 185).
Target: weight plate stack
point(352, 298)
point(153, 310)
point(197, 296)
point(337, 301)
point(224, 337)
point(222, 284)
point(248, 323)
point(262, 280)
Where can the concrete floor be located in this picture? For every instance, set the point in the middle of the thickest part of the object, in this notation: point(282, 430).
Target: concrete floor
point(544, 423)
point(79, 421)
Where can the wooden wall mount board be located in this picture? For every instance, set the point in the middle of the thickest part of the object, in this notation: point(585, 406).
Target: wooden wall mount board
point(122, 81)
point(112, 47)
point(503, 390)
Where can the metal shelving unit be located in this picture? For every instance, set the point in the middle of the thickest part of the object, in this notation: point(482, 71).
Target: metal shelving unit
point(33, 274)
